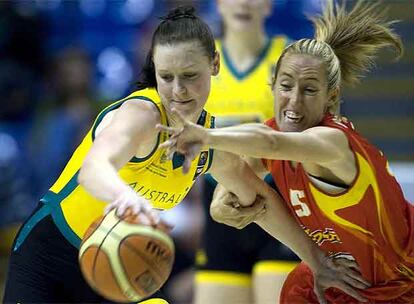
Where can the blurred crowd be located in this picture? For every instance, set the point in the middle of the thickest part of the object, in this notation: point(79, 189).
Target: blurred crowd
point(63, 61)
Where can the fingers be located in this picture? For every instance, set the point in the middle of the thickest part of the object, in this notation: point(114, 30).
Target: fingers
point(347, 263)
point(350, 291)
point(358, 278)
point(164, 226)
point(353, 283)
point(347, 267)
point(192, 151)
point(169, 130)
point(186, 165)
point(108, 208)
point(121, 208)
point(168, 144)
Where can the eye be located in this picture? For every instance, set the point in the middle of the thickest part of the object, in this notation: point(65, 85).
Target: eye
point(310, 91)
point(285, 86)
point(190, 75)
point(167, 78)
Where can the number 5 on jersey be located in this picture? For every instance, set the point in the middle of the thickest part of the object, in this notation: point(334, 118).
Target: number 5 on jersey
point(301, 208)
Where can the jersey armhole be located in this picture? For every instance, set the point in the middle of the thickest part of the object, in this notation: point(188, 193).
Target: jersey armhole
point(116, 106)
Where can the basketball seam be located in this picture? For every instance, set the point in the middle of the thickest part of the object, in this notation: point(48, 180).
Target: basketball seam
point(99, 247)
point(95, 227)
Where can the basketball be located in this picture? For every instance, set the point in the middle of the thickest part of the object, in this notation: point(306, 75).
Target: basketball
point(123, 260)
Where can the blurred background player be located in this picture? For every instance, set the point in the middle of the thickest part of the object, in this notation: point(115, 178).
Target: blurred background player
point(248, 265)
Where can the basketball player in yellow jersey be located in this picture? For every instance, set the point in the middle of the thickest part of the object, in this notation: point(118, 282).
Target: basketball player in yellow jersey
point(248, 265)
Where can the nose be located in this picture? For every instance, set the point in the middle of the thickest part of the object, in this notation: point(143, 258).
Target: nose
point(295, 97)
point(179, 88)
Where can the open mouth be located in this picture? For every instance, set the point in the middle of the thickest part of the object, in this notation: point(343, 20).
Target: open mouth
point(293, 117)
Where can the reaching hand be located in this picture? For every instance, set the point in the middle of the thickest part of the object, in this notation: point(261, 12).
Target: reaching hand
point(341, 273)
point(187, 140)
point(136, 205)
point(226, 209)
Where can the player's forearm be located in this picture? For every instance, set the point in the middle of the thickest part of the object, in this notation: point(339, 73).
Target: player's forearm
point(279, 223)
point(101, 180)
point(254, 140)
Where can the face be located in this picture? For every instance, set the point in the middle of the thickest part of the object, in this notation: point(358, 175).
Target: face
point(242, 15)
point(300, 93)
point(183, 72)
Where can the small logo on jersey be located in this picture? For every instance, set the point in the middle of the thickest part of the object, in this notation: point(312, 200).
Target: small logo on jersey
point(321, 236)
point(202, 160)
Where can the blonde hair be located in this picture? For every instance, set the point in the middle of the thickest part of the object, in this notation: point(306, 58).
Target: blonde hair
point(346, 42)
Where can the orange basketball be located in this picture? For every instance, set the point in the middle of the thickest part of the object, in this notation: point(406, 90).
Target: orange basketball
point(123, 260)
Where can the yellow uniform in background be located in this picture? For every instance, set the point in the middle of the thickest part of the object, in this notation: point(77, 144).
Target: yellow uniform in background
point(229, 256)
point(244, 97)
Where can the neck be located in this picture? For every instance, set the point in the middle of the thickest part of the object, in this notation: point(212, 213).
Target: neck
point(174, 121)
point(243, 47)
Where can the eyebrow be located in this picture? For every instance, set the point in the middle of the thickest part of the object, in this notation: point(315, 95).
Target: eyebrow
point(308, 78)
point(286, 74)
point(191, 66)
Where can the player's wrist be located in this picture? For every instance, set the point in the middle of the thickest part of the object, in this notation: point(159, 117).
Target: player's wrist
point(317, 258)
point(210, 137)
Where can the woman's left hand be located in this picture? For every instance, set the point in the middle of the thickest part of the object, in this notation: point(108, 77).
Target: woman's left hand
point(341, 273)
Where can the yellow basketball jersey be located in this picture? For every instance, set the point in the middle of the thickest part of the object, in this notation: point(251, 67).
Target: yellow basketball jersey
point(244, 97)
point(155, 178)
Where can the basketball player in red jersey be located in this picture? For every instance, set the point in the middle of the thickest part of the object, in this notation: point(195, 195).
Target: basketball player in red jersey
point(336, 184)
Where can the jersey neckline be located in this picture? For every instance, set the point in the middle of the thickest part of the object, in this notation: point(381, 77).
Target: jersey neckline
point(241, 75)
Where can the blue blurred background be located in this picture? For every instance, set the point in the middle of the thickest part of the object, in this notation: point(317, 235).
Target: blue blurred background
point(63, 61)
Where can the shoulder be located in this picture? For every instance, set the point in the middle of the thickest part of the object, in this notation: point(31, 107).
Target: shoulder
point(278, 44)
point(133, 114)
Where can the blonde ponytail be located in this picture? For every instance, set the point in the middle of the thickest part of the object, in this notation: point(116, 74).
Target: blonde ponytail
point(347, 42)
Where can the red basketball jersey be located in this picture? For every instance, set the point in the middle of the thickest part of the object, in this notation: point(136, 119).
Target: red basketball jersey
point(369, 221)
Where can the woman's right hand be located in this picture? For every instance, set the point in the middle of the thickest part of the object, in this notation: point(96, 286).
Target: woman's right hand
point(187, 140)
point(136, 205)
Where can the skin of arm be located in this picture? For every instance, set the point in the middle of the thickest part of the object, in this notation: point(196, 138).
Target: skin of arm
point(132, 126)
point(237, 177)
point(317, 147)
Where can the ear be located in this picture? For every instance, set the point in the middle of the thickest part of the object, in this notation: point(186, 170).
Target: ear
point(333, 96)
point(216, 64)
point(333, 101)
